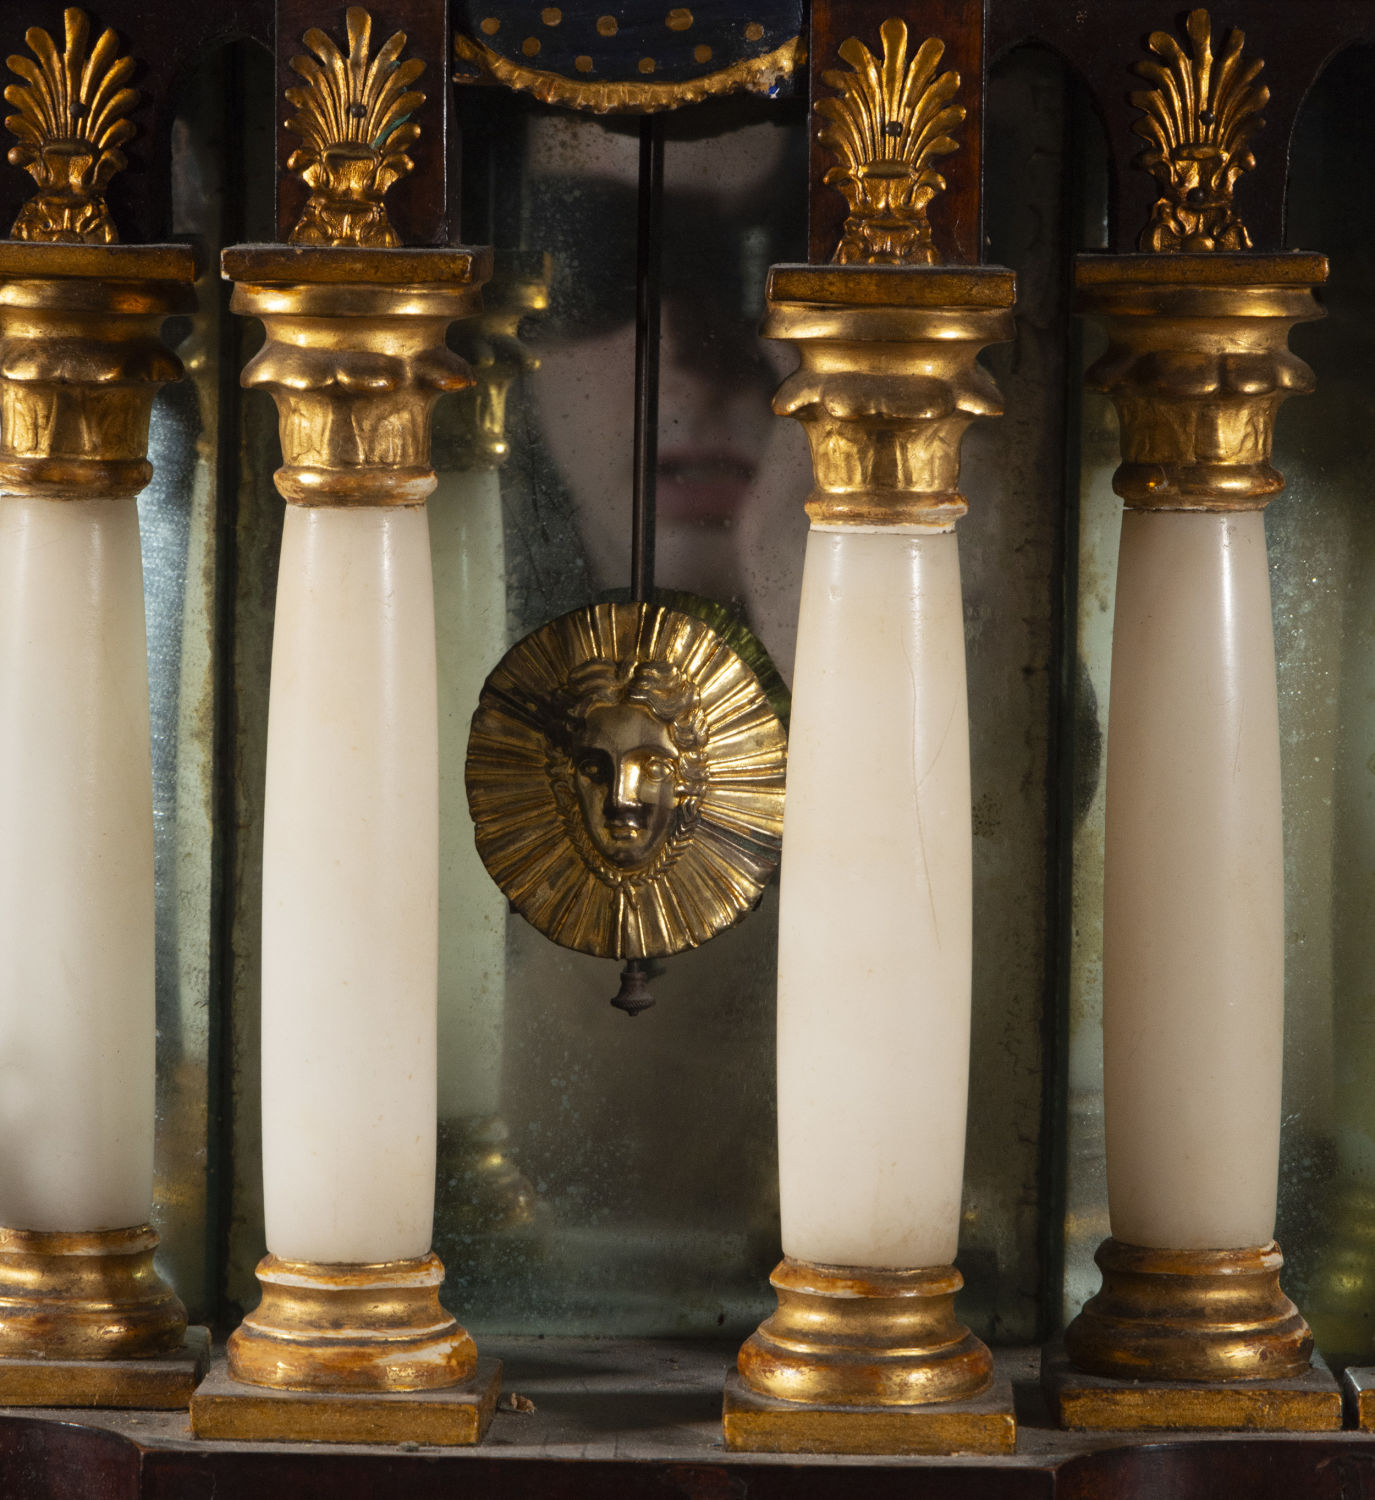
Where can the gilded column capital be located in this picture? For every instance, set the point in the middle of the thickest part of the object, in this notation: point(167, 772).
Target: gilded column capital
point(492, 345)
point(355, 359)
point(1197, 365)
point(888, 381)
point(81, 359)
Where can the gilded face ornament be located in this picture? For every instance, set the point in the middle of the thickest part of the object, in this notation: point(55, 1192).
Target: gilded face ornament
point(625, 775)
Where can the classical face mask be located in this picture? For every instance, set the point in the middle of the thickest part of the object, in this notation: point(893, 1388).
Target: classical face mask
point(625, 773)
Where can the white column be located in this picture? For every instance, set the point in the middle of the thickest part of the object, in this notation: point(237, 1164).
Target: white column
point(1193, 1002)
point(874, 920)
point(470, 616)
point(76, 869)
point(350, 890)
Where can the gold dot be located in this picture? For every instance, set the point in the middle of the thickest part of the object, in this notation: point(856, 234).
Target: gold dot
point(702, 52)
point(646, 65)
point(491, 26)
point(753, 31)
point(551, 15)
point(530, 46)
point(679, 18)
point(583, 64)
point(606, 26)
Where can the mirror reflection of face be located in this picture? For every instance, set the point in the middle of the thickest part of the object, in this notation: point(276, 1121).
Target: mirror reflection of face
point(625, 774)
point(729, 473)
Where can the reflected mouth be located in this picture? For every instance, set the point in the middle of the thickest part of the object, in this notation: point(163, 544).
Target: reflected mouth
point(702, 486)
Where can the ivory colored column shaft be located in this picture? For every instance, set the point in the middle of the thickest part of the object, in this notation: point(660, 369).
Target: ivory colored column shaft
point(875, 916)
point(350, 881)
point(470, 623)
point(76, 869)
point(1194, 900)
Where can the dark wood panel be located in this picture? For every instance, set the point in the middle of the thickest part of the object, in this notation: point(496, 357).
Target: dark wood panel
point(1254, 1468)
point(41, 1459)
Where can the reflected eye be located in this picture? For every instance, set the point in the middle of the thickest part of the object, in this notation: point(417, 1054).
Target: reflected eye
point(657, 769)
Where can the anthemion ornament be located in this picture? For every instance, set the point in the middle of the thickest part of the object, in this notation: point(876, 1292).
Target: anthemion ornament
point(1197, 121)
point(625, 775)
point(353, 118)
point(889, 123)
point(73, 116)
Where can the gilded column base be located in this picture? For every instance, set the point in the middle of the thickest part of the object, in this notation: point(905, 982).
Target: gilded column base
point(1341, 1302)
point(1358, 1386)
point(1307, 1402)
point(87, 1295)
point(487, 1192)
point(344, 1328)
point(1214, 1315)
point(225, 1410)
point(861, 1361)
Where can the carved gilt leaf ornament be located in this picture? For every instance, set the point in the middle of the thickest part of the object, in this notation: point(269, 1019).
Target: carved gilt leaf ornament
point(888, 124)
point(353, 118)
point(1197, 121)
point(72, 117)
point(625, 775)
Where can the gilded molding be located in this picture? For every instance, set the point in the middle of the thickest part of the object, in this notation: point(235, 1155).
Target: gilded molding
point(1197, 121)
point(889, 124)
point(625, 775)
point(81, 360)
point(1197, 369)
point(848, 1337)
point(351, 1328)
point(755, 75)
point(886, 390)
point(85, 1295)
point(73, 116)
point(355, 365)
point(1189, 1315)
point(353, 119)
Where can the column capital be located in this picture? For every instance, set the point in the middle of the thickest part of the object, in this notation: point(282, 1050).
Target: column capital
point(81, 359)
point(355, 359)
point(888, 382)
point(498, 355)
point(1197, 365)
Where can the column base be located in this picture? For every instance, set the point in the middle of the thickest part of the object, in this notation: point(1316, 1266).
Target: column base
point(763, 1424)
point(1307, 1402)
point(1341, 1300)
point(851, 1355)
point(226, 1410)
point(85, 1295)
point(1358, 1387)
point(351, 1328)
point(489, 1192)
point(157, 1382)
point(1200, 1315)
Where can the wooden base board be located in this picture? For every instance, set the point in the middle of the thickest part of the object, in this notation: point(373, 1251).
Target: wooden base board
point(161, 1382)
point(760, 1424)
point(1311, 1402)
point(228, 1411)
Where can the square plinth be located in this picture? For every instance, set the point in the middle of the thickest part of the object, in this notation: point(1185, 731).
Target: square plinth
point(760, 1424)
point(1310, 1402)
point(1358, 1384)
point(229, 1411)
point(161, 1382)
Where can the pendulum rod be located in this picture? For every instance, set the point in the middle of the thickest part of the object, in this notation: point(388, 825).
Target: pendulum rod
point(648, 262)
point(633, 995)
